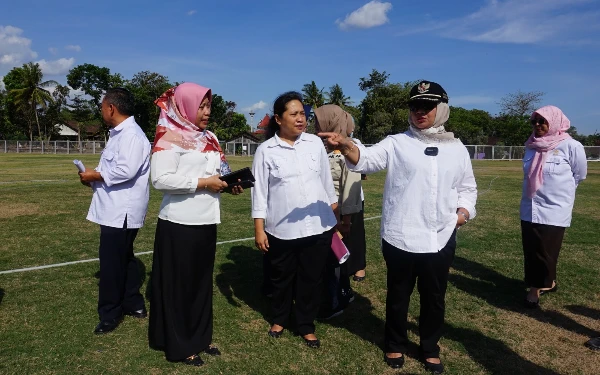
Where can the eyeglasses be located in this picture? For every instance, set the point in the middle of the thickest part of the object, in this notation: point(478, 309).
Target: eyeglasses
point(422, 107)
point(539, 120)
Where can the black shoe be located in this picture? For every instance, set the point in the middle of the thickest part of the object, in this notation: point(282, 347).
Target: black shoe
point(194, 360)
point(394, 362)
point(434, 368)
point(531, 304)
point(554, 289)
point(107, 326)
point(593, 343)
point(212, 350)
point(140, 314)
point(275, 334)
point(348, 294)
point(315, 344)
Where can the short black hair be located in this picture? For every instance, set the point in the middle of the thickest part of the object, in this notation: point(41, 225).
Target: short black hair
point(122, 99)
point(279, 106)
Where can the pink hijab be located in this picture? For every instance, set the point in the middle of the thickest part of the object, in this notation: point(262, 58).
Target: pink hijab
point(558, 124)
point(176, 127)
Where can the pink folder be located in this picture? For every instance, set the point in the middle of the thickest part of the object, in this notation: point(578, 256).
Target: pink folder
point(339, 248)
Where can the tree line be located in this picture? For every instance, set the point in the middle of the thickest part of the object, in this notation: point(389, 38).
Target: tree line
point(30, 107)
point(384, 111)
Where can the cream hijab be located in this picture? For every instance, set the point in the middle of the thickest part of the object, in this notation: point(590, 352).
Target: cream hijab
point(437, 133)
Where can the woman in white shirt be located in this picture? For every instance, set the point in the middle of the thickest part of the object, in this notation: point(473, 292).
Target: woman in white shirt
point(554, 164)
point(293, 203)
point(429, 192)
point(186, 163)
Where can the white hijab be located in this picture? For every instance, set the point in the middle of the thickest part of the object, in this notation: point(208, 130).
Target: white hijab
point(437, 133)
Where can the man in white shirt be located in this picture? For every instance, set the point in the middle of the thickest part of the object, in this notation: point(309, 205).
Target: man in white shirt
point(119, 204)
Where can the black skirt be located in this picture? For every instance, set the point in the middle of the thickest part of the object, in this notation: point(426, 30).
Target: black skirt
point(356, 243)
point(182, 289)
point(541, 246)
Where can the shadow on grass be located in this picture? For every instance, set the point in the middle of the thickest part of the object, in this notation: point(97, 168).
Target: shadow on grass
point(242, 278)
point(507, 294)
point(358, 319)
point(1, 295)
point(584, 311)
point(493, 354)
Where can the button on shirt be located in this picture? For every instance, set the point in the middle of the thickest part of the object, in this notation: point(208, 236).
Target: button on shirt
point(293, 190)
point(421, 193)
point(176, 174)
point(565, 168)
point(125, 167)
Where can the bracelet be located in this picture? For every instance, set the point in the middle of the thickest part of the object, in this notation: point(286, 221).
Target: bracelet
point(464, 215)
point(349, 151)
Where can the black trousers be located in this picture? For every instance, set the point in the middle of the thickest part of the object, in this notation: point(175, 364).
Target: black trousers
point(120, 279)
point(181, 311)
point(337, 284)
point(357, 243)
point(541, 246)
point(430, 272)
point(297, 271)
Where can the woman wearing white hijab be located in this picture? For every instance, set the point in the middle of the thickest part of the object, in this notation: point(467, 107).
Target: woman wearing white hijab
point(429, 192)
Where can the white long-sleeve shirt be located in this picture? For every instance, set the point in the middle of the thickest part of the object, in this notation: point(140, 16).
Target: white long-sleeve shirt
point(421, 193)
point(565, 168)
point(124, 166)
point(175, 173)
point(293, 190)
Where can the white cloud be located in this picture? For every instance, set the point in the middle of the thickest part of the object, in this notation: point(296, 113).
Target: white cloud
point(2, 87)
point(191, 12)
point(256, 106)
point(53, 50)
point(72, 92)
point(73, 47)
point(519, 22)
point(470, 100)
point(14, 48)
point(56, 67)
point(372, 14)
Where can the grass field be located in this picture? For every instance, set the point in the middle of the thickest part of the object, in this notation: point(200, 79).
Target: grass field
point(47, 316)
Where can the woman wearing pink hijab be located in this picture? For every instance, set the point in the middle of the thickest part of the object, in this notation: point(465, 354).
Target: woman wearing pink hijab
point(554, 165)
point(186, 163)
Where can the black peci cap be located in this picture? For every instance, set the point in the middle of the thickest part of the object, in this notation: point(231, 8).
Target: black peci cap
point(427, 90)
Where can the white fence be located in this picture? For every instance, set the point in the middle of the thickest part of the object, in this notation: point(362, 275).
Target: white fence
point(478, 152)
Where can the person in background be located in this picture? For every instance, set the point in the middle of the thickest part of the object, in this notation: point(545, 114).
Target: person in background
point(332, 118)
point(119, 204)
point(186, 164)
point(429, 193)
point(554, 164)
point(293, 204)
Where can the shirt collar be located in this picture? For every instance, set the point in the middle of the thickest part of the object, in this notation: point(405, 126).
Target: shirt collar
point(279, 142)
point(129, 120)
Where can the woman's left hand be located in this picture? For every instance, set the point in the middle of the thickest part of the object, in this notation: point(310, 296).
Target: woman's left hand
point(461, 218)
point(236, 190)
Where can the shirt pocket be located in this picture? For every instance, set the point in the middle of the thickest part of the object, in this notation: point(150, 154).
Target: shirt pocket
point(312, 161)
point(278, 168)
point(553, 165)
point(109, 157)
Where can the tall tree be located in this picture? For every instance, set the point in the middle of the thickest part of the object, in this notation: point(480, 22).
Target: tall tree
point(520, 103)
point(313, 96)
point(374, 80)
point(146, 87)
point(33, 93)
point(83, 114)
point(56, 111)
point(94, 81)
point(336, 96)
point(224, 121)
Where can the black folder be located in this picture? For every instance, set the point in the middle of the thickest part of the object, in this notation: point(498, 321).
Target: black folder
point(242, 177)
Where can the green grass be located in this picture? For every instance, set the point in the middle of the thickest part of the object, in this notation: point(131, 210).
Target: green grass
point(47, 316)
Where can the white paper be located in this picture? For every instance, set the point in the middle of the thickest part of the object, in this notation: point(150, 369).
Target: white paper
point(79, 165)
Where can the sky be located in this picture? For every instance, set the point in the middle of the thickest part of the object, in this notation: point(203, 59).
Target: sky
point(251, 51)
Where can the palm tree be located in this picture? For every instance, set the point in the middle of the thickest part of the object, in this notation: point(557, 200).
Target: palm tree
point(336, 96)
point(312, 95)
point(33, 93)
